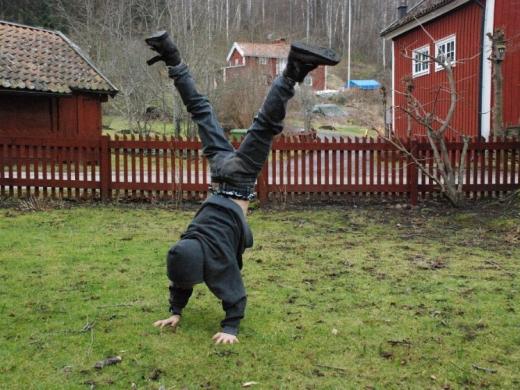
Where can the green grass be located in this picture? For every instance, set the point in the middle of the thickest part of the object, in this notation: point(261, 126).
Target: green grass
point(354, 131)
point(342, 126)
point(118, 123)
point(357, 298)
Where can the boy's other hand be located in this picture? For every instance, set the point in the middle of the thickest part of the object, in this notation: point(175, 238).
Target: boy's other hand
point(173, 321)
point(224, 338)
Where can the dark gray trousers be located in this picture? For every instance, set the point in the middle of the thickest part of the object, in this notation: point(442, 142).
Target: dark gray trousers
point(240, 167)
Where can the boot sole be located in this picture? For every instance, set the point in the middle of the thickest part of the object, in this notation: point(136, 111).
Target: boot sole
point(315, 54)
point(156, 37)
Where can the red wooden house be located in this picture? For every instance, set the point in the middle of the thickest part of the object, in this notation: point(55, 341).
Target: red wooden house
point(457, 29)
point(48, 86)
point(267, 60)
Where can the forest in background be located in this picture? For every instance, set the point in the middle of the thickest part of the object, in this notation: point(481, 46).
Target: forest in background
point(111, 32)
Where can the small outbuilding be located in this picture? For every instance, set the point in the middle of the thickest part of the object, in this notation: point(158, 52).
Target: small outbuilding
point(267, 60)
point(48, 86)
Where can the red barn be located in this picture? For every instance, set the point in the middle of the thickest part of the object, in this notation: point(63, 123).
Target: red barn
point(458, 29)
point(48, 87)
point(267, 60)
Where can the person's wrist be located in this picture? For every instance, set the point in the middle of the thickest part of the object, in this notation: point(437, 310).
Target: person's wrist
point(230, 330)
point(176, 311)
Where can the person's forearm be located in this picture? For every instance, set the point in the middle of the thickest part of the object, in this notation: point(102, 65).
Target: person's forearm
point(234, 313)
point(179, 298)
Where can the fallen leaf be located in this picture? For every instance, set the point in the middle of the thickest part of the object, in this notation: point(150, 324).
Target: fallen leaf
point(399, 342)
point(155, 374)
point(334, 331)
point(317, 372)
point(386, 354)
point(108, 362)
point(249, 384)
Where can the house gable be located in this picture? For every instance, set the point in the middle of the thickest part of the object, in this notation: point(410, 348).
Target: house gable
point(235, 48)
point(236, 59)
point(424, 12)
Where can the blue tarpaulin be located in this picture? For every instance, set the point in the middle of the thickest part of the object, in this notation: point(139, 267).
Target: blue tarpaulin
point(364, 84)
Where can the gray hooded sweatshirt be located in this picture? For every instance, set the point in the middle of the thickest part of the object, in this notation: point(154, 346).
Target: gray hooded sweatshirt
point(223, 234)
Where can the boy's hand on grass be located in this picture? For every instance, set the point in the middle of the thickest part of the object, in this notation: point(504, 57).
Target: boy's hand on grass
point(173, 321)
point(225, 338)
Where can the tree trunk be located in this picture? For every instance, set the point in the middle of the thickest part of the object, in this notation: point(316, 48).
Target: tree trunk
point(498, 109)
point(308, 21)
point(227, 21)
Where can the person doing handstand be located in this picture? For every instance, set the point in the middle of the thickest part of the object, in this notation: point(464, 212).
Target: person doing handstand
point(211, 248)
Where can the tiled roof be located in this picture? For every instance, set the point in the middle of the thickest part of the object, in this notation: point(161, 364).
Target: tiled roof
point(421, 9)
point(34, 59)
point(268, 50)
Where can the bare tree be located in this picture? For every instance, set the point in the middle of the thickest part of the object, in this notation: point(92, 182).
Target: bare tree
point(498, 45)
point(307, 100)
point(449, 173)
point(237, 101)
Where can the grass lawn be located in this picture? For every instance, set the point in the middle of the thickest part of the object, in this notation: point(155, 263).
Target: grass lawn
point(354, 131)
point(339, 298)
point(118, 123)
point(343, 127)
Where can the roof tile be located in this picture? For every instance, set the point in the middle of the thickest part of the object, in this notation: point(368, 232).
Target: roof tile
point(46, 61)
point(268, 50)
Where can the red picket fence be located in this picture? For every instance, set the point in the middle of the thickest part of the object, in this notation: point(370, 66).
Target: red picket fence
point(170, 168)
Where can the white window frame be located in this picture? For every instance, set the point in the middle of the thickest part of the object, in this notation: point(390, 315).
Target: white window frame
point(281, 63)
point(444, 42)
point(308, 80)
point(262, 60)
point(421, 50)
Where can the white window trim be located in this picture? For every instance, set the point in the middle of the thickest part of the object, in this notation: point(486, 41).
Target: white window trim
point(308, 81)
point(281, 63)
point(423, 72)
point(262, 60)
point(444, 41)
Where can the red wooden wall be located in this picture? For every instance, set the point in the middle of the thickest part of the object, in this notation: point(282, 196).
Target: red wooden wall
point(507, 17)
point(25, 115)
point(466, 23)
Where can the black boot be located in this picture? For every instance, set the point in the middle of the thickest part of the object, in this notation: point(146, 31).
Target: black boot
point(305, 58)
point(163, 44)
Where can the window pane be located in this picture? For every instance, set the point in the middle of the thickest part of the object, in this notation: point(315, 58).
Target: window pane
point(446, 52)
point(421, 61)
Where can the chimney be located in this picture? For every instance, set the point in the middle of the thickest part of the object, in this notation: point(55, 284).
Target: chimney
point(402, 9)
